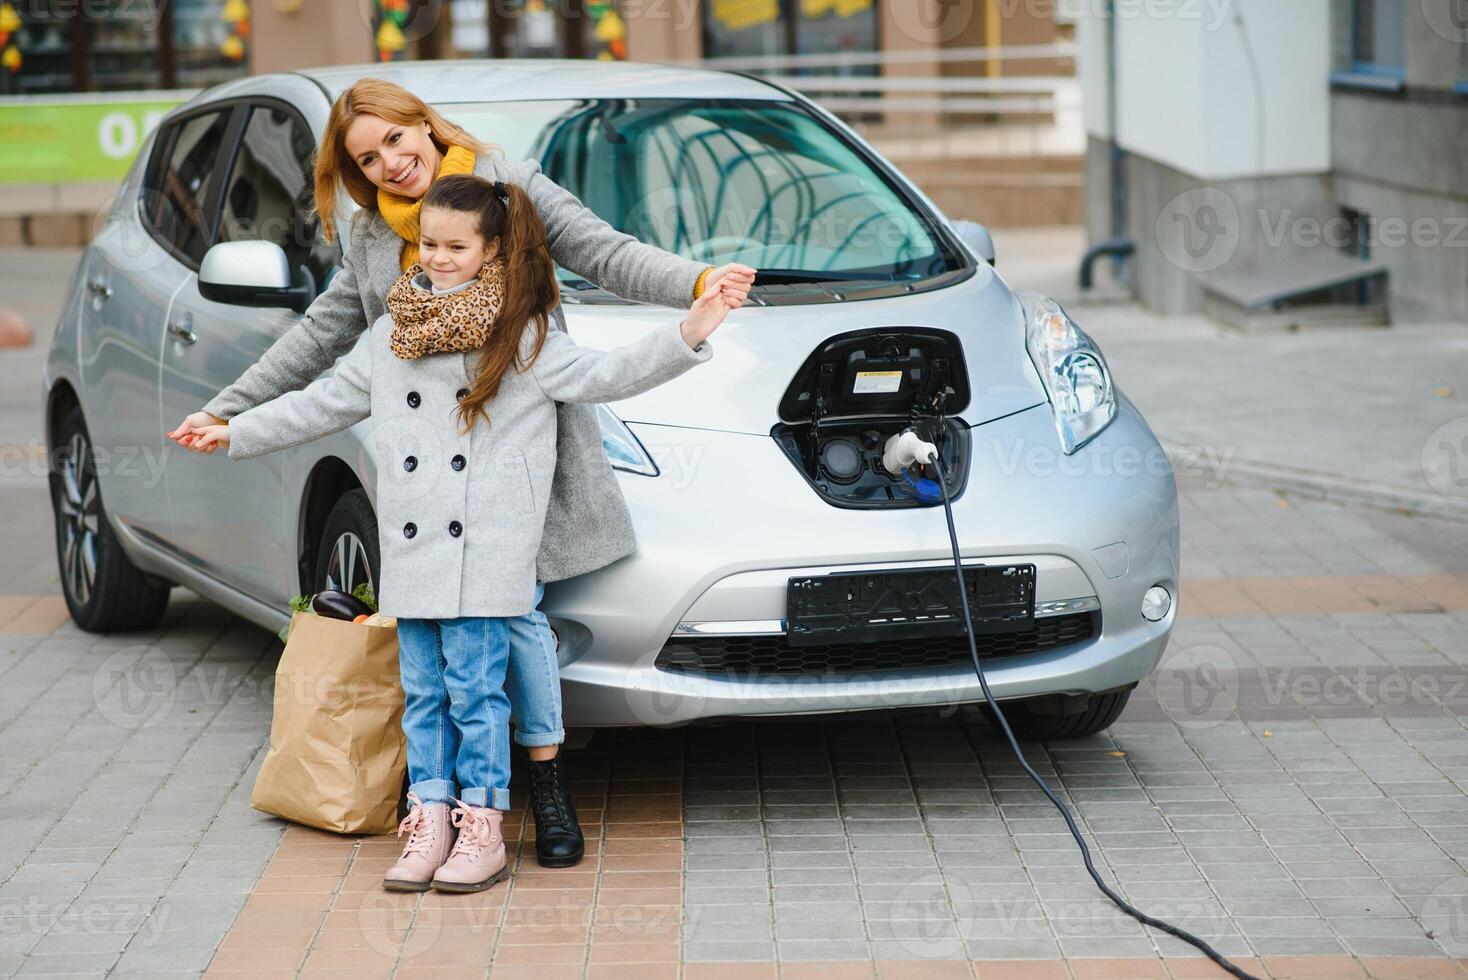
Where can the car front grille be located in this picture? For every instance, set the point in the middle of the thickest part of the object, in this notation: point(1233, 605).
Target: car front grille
point(744, 656)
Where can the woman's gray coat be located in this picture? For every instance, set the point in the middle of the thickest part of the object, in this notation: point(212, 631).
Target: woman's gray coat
point(460, 516)
point(587, 523)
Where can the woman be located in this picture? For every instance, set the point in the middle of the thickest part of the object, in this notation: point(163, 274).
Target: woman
point(386, 147)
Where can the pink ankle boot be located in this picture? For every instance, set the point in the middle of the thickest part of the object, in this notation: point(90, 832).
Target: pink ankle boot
point(478, 858)
point(429, 838)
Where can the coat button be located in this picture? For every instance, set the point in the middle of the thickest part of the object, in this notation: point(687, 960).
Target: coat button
point(461, 394)
point(410, 529)
point(413, 400)
point(410, 464)
point(455, 528)
point(457, 462)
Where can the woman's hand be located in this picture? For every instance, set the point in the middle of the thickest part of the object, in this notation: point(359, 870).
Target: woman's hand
point(707, 312)
point(209, 438)
point(186, 434)
point(737, 279)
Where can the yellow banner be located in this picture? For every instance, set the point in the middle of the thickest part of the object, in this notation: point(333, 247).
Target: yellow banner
point(841, 8)
point(736, 15)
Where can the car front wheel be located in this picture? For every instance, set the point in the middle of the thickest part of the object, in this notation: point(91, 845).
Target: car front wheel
point(104, 590)
point(347, 555)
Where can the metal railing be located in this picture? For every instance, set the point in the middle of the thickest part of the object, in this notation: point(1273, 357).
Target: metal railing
point(939, 116)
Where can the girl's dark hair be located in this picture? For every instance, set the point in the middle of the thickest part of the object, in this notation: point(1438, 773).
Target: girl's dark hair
point(505, 213)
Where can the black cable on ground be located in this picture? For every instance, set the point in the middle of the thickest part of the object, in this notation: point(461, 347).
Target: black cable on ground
point(1106, 890)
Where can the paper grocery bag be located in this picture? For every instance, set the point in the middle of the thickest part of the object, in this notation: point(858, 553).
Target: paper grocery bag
point(337, 755)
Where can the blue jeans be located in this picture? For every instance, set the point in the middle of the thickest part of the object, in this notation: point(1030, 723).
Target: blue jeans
point(533, 681)
point(456, 715)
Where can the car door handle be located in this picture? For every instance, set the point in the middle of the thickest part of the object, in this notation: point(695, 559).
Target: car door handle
point(183, 329)
point(98, 287)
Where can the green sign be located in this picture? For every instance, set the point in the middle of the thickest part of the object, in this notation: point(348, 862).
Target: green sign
point(74, 139)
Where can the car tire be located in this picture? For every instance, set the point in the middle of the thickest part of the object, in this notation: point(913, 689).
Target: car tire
point(105, 592)
point(348, 540)
point(1032, 725)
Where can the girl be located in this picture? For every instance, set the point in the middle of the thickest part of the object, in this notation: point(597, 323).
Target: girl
point(462, 377)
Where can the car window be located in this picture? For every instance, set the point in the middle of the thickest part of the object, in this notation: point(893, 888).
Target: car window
point(723, 180)
point(176, 196)
point(268, 195)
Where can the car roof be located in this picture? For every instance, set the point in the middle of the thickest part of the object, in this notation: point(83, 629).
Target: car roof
point(516, 79)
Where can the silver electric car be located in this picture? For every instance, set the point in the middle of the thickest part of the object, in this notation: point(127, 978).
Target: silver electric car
point(781, 568)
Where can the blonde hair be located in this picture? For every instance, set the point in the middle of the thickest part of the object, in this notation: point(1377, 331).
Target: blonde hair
point(386, 100)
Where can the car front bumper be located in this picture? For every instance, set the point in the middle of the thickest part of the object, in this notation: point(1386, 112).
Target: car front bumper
point(729, 519)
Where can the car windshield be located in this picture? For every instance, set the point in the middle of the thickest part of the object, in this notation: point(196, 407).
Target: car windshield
point(760, 182)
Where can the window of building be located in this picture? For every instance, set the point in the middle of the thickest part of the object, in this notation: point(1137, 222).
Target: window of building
point(124, 45)
point(745, 28)
point(1379, 37)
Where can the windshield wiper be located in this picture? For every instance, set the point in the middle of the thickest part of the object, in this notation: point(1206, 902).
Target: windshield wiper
point(764, 277)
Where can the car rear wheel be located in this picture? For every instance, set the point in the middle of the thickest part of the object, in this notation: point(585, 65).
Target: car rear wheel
point(105, 592)
point(348, 556)
point(1047, 719)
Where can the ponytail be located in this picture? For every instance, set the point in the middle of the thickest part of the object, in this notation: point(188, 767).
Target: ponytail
point(505, 213)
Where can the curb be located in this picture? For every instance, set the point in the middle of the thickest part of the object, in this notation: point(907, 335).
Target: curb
point(1337, 489)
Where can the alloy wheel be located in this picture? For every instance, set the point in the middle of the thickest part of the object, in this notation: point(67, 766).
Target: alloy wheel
point(349, 565)
point(80, 518)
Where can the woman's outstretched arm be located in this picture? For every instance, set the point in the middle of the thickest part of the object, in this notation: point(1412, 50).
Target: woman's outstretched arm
point(326, 331)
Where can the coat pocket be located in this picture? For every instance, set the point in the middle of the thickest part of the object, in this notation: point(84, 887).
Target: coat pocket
point(510, 473)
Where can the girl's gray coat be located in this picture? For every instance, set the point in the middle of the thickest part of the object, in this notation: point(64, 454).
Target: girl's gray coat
point(460, 516)
point(587, 523)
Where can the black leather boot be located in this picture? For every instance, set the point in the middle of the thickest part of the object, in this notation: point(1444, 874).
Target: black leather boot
point(558, 839)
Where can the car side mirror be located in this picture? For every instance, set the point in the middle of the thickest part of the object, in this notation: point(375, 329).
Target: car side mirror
point(251, 274)
point(977, 238)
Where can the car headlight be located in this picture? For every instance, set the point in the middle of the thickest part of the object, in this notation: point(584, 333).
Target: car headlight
point(1073, 370)
point(623, 450)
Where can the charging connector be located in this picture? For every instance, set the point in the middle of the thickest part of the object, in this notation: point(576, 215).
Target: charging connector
point(933, 457)
point(904, 449)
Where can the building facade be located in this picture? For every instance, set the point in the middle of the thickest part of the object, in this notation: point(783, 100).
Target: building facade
point(1255, 148)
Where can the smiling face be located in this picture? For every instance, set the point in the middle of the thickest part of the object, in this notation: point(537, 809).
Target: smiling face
point(396, 157)
point(450, 248)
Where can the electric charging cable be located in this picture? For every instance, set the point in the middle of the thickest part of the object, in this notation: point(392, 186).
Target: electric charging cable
point(907, 451)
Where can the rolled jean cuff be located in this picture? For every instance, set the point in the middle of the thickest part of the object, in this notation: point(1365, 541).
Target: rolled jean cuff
point(531, 740)
point(496, 799)
point(433, 790)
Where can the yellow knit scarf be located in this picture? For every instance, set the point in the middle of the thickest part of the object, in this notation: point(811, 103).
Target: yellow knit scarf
point(401, 213)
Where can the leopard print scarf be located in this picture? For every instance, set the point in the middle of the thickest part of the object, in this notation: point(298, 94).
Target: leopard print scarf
point(428, 323)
